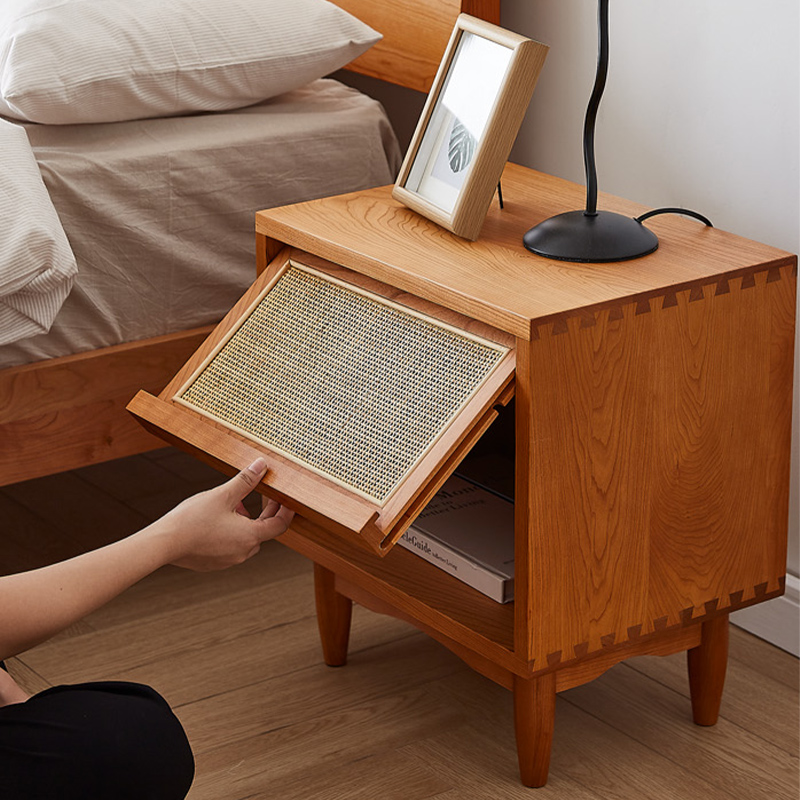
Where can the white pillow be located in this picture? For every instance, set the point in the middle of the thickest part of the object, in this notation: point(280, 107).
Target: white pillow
point(37, 267)
point(73, 61)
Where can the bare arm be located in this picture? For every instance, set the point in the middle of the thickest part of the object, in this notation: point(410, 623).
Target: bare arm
point(206, 532)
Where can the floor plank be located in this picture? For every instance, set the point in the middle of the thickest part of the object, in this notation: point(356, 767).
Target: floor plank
point(238, 656)
point(639, 707)
point(751, 700)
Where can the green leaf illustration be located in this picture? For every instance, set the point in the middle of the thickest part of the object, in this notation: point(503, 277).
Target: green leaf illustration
point(460, 148)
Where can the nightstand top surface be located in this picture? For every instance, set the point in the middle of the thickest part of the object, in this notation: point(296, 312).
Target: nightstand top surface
point(495, 279)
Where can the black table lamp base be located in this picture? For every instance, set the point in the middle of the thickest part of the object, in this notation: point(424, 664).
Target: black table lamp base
point(590, 238)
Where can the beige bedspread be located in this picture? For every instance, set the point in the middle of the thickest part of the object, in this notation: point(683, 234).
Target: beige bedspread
point(160, 212)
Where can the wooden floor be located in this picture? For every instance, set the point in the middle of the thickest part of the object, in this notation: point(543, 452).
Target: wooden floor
point(236, 653)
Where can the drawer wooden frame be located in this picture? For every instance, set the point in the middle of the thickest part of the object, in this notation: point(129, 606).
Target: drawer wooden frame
point(322, 499)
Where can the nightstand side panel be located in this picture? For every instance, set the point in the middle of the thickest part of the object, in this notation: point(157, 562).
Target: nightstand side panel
point(658, 463)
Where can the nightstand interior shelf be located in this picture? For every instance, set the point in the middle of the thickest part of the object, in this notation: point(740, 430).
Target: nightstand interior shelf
point(448, 602)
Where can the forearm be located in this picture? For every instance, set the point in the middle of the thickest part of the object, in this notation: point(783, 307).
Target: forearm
point(38, 604)
point(208, 531)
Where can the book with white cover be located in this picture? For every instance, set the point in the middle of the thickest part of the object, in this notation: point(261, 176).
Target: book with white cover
point(468, 532)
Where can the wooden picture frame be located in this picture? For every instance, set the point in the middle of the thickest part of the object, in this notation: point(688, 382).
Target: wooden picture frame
point(468, 125)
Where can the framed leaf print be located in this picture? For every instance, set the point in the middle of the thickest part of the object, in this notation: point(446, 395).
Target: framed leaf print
point(468, 125)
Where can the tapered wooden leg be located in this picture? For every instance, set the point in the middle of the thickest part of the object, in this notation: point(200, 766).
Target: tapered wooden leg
point(707, 664)
point(534, 718)
point(334, 612)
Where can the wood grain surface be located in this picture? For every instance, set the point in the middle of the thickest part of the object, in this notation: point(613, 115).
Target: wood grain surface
point(415, 34)
point(496, 280)
point(653, 416)
point(305, 490)
point(68, 412)
point(654, 498)
point(525, 61)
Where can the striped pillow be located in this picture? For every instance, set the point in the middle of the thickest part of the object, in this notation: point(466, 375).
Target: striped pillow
point(37, 267)
point(73, 61)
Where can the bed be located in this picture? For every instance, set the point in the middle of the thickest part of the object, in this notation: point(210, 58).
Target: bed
point(159, 211)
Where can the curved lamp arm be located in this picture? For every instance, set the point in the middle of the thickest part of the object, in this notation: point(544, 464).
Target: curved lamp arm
point(594, 104)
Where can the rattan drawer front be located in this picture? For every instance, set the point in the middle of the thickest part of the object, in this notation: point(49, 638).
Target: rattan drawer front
point(341, 381)
point(368, 395)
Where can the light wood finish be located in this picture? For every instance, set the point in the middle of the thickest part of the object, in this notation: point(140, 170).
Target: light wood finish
point(707, 666)
point(502, 123)
point(69, 412)
point(415, 35)
point(651, 507)
point(228, 452)
point(237, 655)
point(456, 615)
point(495, 280)
point(642, 390)
point(420, 591)
point(580, 672)
point(664, 644)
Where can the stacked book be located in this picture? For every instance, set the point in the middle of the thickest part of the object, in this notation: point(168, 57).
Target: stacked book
point(468, 531)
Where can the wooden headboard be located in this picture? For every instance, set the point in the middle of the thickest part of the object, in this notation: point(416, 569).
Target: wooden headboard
point(415, 34)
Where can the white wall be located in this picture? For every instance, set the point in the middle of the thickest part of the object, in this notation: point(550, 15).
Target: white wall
point(701, 107)
point(701, 110)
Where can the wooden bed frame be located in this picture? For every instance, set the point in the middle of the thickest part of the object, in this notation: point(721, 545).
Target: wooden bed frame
point(69, 412)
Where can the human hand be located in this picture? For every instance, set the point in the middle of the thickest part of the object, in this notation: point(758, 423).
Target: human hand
point(213, 530)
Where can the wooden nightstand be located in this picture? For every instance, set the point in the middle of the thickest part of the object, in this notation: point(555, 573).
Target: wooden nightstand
point(652, 438)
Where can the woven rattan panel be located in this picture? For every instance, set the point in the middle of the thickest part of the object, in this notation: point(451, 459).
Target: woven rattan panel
point(349, 385)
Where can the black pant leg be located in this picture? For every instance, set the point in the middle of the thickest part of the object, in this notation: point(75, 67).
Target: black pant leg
point(96, 741)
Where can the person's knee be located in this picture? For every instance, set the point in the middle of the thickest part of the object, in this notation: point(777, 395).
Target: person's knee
point(109, 740)
point(150, 744)
point(158, 739)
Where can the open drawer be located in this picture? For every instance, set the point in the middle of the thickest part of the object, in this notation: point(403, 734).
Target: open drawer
point(362, 399)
